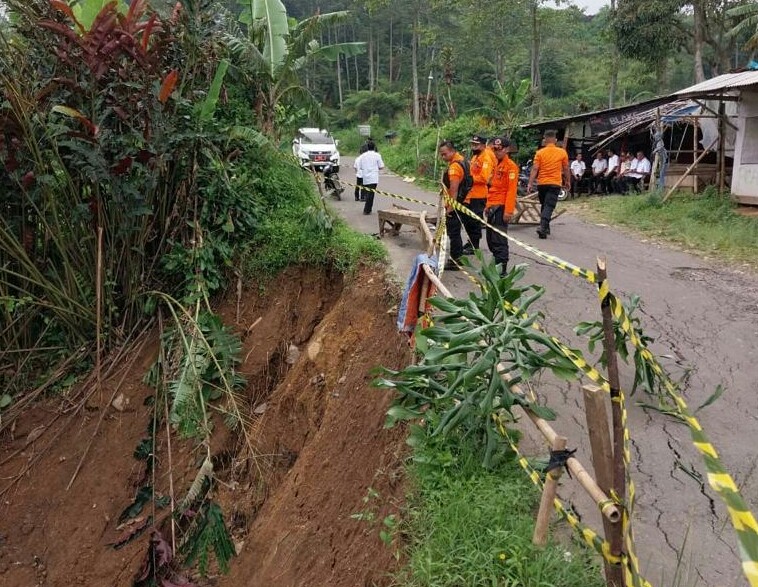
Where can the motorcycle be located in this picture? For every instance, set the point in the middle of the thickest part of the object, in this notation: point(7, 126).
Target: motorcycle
point(332, 183)
point(523, 181)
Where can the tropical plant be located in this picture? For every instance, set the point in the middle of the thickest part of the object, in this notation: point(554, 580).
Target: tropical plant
point(458, 385)
point(274, 53)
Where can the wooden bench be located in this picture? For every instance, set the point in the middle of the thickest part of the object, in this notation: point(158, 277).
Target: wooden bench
point(398, 216)
point(528, 210)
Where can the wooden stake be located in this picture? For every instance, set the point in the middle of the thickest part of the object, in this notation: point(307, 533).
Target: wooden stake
point(609, 511)
point(602, 462)
point(548, 496)
point(609, 344)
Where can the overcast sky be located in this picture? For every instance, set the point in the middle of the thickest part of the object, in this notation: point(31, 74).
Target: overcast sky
point(590, 6)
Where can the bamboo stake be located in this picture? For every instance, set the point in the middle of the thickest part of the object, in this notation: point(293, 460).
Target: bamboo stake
point(607, 508)
point(548, 496)
point(688, 171)
point(602, 461)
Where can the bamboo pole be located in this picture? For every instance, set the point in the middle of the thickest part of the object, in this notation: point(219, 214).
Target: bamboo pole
point(722, 147)
point(607, 508)
point(657, 164)
point(689, 170)
point(694, 154)
point(548, 496)
point(602, 462)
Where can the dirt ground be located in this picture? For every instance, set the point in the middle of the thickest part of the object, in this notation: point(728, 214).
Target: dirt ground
point(310, 343)
point(704, 319)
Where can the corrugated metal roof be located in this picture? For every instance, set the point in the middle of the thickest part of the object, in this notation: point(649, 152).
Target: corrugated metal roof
point(721, 83)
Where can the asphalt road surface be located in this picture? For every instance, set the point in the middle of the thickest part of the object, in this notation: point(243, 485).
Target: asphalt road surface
point(704, 319)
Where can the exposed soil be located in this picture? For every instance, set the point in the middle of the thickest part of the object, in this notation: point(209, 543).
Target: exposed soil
point(310, 344)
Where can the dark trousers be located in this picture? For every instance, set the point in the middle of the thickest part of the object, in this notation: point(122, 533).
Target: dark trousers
point(497, 243)
point(576, 184)
point(367, 193)
point(548, 195)
point(597, 183)
point(472, 225)
point(454, 225)
point(609, 182)
point(359, 182)
point(633, 183)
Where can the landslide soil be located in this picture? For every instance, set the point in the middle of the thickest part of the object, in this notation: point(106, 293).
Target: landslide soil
point(315, 423)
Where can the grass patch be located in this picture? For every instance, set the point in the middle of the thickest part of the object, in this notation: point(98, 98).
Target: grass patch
point(706, 223)
point(471, 526)
point(294, 227)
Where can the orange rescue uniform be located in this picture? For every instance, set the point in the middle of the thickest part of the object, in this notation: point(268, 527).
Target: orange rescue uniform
point(504, 184)
point(550, 161)
point(482, 166)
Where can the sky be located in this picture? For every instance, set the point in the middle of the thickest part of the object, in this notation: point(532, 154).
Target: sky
point(590, 6)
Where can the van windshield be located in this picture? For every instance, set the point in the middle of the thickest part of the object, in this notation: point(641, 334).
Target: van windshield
point(317, 138)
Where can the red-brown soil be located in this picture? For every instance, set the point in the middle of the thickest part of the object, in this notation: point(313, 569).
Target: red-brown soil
point(318, 439)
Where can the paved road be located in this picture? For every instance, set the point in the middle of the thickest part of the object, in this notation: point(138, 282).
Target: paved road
point(704, 319)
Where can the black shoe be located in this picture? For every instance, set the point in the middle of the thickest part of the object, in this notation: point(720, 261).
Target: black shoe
point(452, 266)
point(469, 250)
point(541, 233)
point(547, 230)
point(366, 213)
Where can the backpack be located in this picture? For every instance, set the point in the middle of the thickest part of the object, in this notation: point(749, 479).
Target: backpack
point(466, 183)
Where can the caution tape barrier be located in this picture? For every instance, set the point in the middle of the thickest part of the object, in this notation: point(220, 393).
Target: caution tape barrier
point(742, 519)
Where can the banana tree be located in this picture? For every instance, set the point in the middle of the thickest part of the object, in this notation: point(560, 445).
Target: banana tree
point(274, 53)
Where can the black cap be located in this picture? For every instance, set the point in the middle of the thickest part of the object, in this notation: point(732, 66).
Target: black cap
point(479, 139)
point(501, 142)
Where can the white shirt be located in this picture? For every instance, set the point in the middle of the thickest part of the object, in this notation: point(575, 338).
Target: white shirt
point(598, 166)
point(578, 167)
point(369, 165)
point(357, 167)
point(613, 163)
point(640, 168)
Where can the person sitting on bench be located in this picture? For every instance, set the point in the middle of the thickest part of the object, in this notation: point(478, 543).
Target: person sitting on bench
point(639, 171)
point(578, 167)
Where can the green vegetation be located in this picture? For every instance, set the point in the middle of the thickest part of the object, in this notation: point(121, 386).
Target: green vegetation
point(468, 525)
point(298, 228)
point(707, 223)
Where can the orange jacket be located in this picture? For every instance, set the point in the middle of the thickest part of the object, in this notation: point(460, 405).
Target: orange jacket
point(502, 191)
point(482, 166)
point(550, 161)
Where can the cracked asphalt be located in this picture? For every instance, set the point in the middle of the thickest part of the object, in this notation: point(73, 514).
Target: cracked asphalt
point(704, 319)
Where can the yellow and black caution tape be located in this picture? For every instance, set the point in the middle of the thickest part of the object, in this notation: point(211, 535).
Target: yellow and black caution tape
point(721, 482)
point(587, 534)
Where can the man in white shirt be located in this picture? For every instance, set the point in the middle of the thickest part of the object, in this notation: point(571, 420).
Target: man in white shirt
point(359, 174)
point(578, 167)
point(369, 165)
point(611, 172)
point(599, 165)
point(639, 170)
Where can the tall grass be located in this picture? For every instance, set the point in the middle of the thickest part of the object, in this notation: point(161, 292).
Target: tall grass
point(468, 525)
point(297, 227)
point(707, 223)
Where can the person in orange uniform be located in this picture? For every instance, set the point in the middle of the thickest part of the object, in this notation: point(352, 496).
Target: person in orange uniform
point(501, 201)
point(452, 178)
point(483, 163)
point(551, 171)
